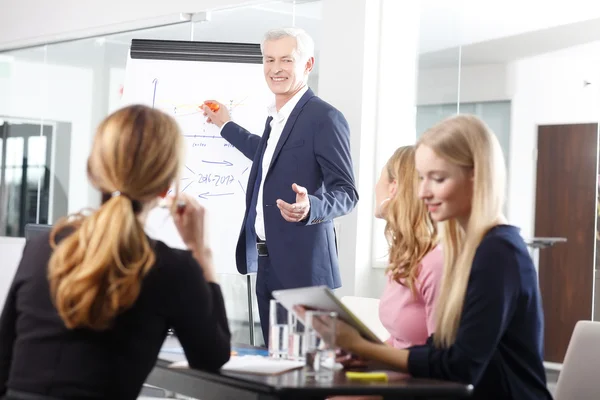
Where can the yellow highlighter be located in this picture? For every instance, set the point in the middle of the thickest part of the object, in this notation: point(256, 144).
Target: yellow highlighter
point(367, 376)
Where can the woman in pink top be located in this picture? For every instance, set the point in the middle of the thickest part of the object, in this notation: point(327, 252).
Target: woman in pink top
point(407, 306)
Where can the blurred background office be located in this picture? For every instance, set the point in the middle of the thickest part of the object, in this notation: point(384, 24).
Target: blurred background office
point(530, 69)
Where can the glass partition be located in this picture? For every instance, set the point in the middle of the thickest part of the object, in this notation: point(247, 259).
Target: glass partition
point(54, 96)
point(437, 95)
point(541, 97)
point(26, 142)
point(75, 97)
point(69, 87)
point(248, 25)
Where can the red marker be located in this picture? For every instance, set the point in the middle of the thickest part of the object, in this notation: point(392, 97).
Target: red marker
point(180, 207)
point(214, 107)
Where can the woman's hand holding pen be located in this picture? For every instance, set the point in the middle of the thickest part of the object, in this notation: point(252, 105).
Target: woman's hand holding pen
point(189, 220)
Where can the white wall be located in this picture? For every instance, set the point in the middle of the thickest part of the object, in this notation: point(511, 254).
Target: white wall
point(376, 96)
point(32, 22)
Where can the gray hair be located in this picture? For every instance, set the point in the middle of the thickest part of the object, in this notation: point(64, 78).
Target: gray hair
point(305, 46)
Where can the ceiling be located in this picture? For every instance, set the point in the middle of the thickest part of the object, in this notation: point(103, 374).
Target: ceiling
point(515, 47)
point(449, 29)
point(451, 23)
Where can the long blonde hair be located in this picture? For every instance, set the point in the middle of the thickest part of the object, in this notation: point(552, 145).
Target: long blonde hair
point(465, 141)
point(409, 230)
point(96, 271)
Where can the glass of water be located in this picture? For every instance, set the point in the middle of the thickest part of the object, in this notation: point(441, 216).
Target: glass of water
point(320, 344)
point(278, 330)
point(297, 338)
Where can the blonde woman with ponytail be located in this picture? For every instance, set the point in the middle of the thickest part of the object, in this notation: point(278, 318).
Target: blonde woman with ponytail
point(489, 330)
point(91, 303)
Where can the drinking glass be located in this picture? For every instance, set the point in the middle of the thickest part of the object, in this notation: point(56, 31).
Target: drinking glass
point(297, 338)
point(278, 330)
point(319, 342)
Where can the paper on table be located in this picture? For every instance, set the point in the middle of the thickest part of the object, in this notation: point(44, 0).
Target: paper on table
point(174, 350)
point(235, 351)
point(252, 365)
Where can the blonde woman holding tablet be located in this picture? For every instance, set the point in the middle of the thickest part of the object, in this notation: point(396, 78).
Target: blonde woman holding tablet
point(489, 329)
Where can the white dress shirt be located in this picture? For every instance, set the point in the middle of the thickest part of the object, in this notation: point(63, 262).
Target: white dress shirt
point(277, 124)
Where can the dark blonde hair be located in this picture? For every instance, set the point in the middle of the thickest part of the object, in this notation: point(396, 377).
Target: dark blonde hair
point(96, 271)
point(467, 142)
point(409, 230)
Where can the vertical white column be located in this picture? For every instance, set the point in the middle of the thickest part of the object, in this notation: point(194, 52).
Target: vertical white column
point(367, 70)
point(99, 108)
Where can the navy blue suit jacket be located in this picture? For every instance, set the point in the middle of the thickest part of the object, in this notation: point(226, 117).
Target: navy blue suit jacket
point(313, 151)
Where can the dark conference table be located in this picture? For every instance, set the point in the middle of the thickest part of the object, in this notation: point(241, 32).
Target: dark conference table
point(205, 385)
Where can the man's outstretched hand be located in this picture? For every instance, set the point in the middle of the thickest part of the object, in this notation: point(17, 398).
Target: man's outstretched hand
point(299, 210)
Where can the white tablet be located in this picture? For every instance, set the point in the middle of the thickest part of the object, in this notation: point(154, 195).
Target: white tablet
point(322, 298)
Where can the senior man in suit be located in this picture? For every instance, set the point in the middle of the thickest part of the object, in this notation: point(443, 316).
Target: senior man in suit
point(301, 176)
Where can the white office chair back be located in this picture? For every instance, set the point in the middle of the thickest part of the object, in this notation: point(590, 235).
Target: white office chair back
point(11, 250)
point(579, 377)
point(367, 310)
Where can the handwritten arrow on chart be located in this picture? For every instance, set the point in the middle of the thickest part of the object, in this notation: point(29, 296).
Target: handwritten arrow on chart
point(204, 136)
point(224, 162)
point(206, 195)
point(154, 82)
